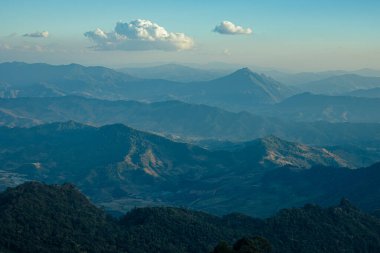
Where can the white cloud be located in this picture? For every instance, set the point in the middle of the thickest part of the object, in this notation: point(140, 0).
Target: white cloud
point(139, 34)
point(227, 27)
point(43, 34)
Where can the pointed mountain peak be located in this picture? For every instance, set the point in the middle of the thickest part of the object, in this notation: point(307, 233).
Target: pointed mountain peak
point(246, 74)
point(244, 71)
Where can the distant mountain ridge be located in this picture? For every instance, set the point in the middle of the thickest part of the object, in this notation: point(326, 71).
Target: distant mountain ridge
point(298, 79)
point(24, 80)
point(175, 72)
point(22, 74)
point(311, 107)
point(370, 93)
point(341, 84)
point(239, 91)
point(195, 123)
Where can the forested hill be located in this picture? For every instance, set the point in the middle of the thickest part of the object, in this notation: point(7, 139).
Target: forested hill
point(35, 217)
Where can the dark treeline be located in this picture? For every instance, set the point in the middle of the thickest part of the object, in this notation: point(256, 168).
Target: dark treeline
point(35, 217)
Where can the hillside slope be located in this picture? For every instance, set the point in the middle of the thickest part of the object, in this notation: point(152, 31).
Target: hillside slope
point(119, 168)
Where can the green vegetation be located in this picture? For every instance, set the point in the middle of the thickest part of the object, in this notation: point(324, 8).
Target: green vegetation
point(35, 217)
point(40, 218)
point(245, 245)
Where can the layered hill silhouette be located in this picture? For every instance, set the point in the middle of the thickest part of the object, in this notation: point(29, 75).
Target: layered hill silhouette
point(175, 72)
point(238, 91)
point(311, 107)
point(370, 93)
point(57, 218)
point(193, 123)
point(243, 90)
point(340, 84)
point(120, 167)
point(39, 80)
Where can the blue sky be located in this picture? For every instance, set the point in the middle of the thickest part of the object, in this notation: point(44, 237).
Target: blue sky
point(294, 35)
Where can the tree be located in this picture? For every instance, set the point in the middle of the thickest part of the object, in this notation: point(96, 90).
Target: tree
point(223, 247)
point(255, 244)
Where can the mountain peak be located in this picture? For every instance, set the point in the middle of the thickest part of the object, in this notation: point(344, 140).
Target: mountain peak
point(251, 87)
point(244, 71)
point(247, 75)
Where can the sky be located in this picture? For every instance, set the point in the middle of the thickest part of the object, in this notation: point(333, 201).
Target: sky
point(291, 35)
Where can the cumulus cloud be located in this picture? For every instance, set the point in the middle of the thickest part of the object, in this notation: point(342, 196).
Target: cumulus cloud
point(227, 27)
point(139, 34)
point(43, 34)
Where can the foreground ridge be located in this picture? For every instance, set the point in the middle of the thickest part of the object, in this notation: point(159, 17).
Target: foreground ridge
point(35, 217)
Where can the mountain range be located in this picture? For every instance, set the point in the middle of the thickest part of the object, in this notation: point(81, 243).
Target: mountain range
point(310, 107)
point(243, 90)
point(298, 79)
point(194, 72)
point(48, 80)
point(238, 91)
point(204, 125)
point(129, 167)
point(175, 72)
point(341, 84)
point(120, 168)
point(184, 158)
